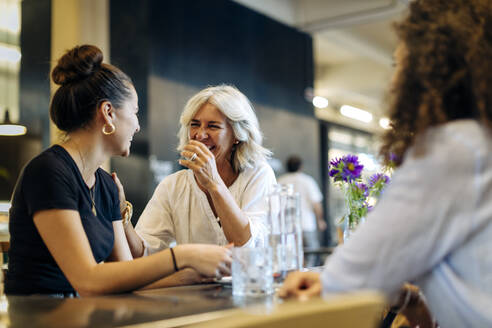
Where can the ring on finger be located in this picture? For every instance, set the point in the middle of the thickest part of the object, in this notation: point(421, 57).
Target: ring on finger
point(193, 157)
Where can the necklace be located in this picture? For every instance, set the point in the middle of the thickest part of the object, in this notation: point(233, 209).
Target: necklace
point(91, 193)
point(91, 190)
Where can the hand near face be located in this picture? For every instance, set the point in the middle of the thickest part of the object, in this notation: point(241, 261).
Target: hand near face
point(203, 164)
point(301, 285)
point(121, 191)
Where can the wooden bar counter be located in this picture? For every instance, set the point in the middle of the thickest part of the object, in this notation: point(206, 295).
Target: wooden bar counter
point(208, 304)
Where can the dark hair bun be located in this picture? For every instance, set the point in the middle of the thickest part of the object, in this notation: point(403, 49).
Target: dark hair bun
point(77, 64)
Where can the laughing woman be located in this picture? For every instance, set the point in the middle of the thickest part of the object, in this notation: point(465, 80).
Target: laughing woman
point(220, 199)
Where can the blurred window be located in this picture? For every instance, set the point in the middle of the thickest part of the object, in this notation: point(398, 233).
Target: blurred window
point(10, 56)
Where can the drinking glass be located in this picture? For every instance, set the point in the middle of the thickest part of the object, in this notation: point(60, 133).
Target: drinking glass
point(252, 273)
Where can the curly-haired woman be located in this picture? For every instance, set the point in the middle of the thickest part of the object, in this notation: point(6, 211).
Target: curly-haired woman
point(433, 226)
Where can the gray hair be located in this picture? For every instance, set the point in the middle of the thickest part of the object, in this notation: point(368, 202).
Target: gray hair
point(239, 114)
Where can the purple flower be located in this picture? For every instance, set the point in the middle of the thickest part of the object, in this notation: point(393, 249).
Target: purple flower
point(335, 162)
point(336, 169)
point(346, 172)
point(363, 189)
point(377, 182)
point(393, 160)
point(351, 168)
point(346, 168)
point(378, 178)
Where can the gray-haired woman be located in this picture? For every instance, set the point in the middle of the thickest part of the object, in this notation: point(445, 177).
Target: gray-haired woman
point(220, 199)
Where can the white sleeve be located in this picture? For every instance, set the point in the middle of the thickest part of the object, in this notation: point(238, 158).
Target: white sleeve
point(155, 226)
point(254, 205)
point(315, 195)
point(424, 214)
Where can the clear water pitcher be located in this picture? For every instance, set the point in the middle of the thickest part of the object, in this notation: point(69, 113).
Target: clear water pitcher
point(285, 234)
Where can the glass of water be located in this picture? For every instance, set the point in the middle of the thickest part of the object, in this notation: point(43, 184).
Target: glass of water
point(252, 273)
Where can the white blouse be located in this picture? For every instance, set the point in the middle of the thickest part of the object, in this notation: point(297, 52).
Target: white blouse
point(179, 210)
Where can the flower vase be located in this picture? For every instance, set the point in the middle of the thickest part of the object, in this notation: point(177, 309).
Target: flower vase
point(349, 227)
point(350, 224)
point(349, 220)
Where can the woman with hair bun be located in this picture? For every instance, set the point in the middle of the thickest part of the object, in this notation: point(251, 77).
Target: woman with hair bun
point(67, 235)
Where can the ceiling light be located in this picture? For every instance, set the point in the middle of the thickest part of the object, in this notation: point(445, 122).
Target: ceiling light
point(356, 113)
point(384, 122)
point(4, 207)
point(9, 53)
point(10, 16)
point(320, 102)
point(7, 128)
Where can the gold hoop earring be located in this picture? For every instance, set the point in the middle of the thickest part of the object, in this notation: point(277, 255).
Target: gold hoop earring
point(107, 133)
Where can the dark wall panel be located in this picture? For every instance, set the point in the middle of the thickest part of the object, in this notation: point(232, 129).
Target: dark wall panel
point(35, 41)
point(210, 42)
point(129, 44)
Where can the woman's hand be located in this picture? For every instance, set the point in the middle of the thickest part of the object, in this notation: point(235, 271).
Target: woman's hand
point(203, 164)
point(301, 285)
point(322, 225)
point(209, 260)
point(121, 192)
point(189, 276)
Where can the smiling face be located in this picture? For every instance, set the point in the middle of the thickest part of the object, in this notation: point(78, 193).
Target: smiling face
point(210, 127)
point(126, 123)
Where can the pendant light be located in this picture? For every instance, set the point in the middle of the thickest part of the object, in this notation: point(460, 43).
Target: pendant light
point(7, 128)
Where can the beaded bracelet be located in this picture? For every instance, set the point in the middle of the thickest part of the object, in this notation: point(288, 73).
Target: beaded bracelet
point(174, 260)
point(127, 213)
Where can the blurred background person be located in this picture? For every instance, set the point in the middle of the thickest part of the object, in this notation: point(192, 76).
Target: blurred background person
point(220, 199)
point(425, 229)
point(311, 205)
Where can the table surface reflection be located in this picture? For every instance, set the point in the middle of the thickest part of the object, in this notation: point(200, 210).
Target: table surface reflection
point(176, 306)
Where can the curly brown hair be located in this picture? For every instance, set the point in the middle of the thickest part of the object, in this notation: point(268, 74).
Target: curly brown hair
point(445, 73)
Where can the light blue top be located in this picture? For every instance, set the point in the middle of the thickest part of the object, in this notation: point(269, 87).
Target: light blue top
point(432, 227)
